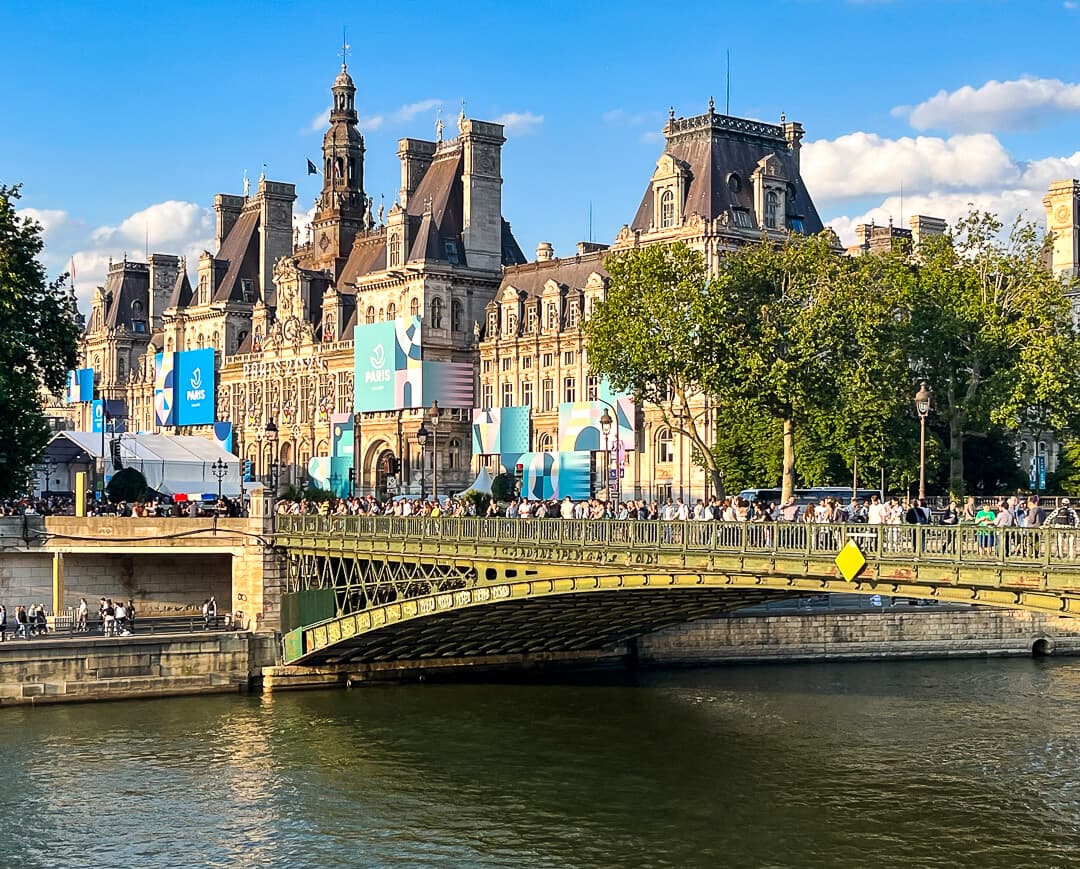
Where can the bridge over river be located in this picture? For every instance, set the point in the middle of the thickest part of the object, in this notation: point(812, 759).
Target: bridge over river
point(381, 588)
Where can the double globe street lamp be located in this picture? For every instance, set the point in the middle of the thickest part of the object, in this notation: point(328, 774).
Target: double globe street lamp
point(421, 440)
point(605, 428)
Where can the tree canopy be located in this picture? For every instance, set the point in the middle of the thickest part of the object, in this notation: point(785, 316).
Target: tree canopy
point(37, 342)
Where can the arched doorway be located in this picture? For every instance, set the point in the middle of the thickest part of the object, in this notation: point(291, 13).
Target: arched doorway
point(377, 469)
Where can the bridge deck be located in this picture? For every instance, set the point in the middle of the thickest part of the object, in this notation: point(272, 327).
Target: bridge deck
point(388, 571)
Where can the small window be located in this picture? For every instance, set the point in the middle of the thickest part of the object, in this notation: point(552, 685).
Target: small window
point(414, 307)
point(592, 387)
point(507, 363)
point(492, 324)
point(453, 458)
point(547, 360)
point(667, 209)
point(742, 218)
point(247, 290)
point(569, 389)
point(394, 259)
point(734, 183)
point(772, 205)
point(572, 315)
point(453, 253)
point(526, 362)
point(370, 317)
point(507, 394)
point(511, 324)
point(544, 443)
point(391, 311)
point(138, 326)
point(527, 394)
point(487, 392)
point(487, 366)
point(457, 315)
point(436, 313)
point(530, 320)
point(568, 357)
point(552, 316)
point(665, 451)
point(796, 224)
point(548, 397)
point(136, 307)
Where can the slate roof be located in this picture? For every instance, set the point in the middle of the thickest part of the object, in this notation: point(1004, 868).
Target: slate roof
point(125, 284)
point(182, 293)
point(570, 272)
point(241, 250)
point(711, 147)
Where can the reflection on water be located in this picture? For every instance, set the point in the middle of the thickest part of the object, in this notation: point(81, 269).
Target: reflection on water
point(846, 765)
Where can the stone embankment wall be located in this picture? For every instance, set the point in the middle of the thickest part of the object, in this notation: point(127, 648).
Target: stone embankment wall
point(920, 633)
point(128, 667)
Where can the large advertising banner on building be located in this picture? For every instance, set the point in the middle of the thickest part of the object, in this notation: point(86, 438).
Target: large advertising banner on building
point(97, 416)
point(108, 415)
point(501, 431)
point(547, 476)
point(391, 375)
point(193, 390)
point(388, 369)
point(80, 385)
point(341, 453)
point(163, 390)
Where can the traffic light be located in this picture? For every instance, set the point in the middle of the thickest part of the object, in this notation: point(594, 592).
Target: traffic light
point(352, 476)
point(247, 470)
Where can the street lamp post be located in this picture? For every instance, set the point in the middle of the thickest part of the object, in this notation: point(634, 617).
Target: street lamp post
point(922, 408)
point(271, 433)
point(434, 413)
point(605, 428)
point(219, 469)
point(421, 439)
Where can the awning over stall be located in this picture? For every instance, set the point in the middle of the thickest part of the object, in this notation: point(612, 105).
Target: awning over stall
point(172, 464)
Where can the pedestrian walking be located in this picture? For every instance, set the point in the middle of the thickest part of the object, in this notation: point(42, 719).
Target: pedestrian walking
point(81, 616)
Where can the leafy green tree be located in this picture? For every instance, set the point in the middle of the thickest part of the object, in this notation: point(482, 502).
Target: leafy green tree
point(504, 487)
point(794, 329)
point(991, 332)
point(647, 338)
point(37, 342)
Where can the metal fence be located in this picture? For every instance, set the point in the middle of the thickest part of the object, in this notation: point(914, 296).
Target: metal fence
point(1039, 547)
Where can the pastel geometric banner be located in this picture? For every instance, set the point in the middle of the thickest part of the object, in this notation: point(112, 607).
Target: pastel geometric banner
point(579, 425)
point(548, 476)
point(163, 390)
point(500, 431)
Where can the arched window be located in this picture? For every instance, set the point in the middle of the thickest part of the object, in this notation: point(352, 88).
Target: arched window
point(436, 313)
point(370, 318)
point(456, 315)
point(382, 314)
point(414, 307)
point(665, 452)
point(772, 205)
point(544, 443)
point(394, 259)
point(667, 209)
point(453, 457)
point(391, 311)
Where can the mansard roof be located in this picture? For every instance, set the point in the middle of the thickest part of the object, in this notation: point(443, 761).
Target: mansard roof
point(182, 293)
point(240, 250)
point(127, 283)
point(368, 255)
point(569, 272)
point(711, 148)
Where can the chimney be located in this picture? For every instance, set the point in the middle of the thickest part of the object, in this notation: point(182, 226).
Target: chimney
point(545, 253)
point(415, 156)
point(923, 227)
point(793, 132)
point(228, 209)
point(164, 270)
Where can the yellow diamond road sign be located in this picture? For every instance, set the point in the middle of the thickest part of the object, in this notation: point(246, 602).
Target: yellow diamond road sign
point(850, 560)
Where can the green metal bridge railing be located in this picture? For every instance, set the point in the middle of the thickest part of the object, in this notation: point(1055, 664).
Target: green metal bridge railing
point(1037, 547)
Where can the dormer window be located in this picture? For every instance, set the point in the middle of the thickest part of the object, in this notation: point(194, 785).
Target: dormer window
point(395, 250)
point(530, 320)
point(511, 324)
point(436, 313)
point(741, 218)
point(772, 206)
point(667, 209)
point(247, 289)
point(571, 315)
point(552, 316)
point(492, 324)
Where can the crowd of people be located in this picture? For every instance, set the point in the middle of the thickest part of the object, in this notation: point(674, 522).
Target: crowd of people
point(155, 507)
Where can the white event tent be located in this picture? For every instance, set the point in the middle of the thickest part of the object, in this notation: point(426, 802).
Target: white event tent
point(172, 464)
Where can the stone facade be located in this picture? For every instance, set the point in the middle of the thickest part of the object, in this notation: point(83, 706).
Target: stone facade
point(280, 309)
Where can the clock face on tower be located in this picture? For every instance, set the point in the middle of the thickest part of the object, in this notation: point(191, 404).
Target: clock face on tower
point(1062, 214)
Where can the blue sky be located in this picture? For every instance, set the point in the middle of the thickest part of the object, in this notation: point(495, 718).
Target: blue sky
point(123, 118)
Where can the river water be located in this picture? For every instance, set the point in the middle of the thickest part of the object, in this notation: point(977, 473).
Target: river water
point(893, 764)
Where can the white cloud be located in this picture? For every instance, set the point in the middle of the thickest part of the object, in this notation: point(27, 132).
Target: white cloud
point(180, 228)
point(1018, 104)
point(319, 123)
point(520, 123)
point(653, 137)
point(1071, 5)
point(623, 118)
point(371, 123)
point(862, 164)
point(410, 111)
